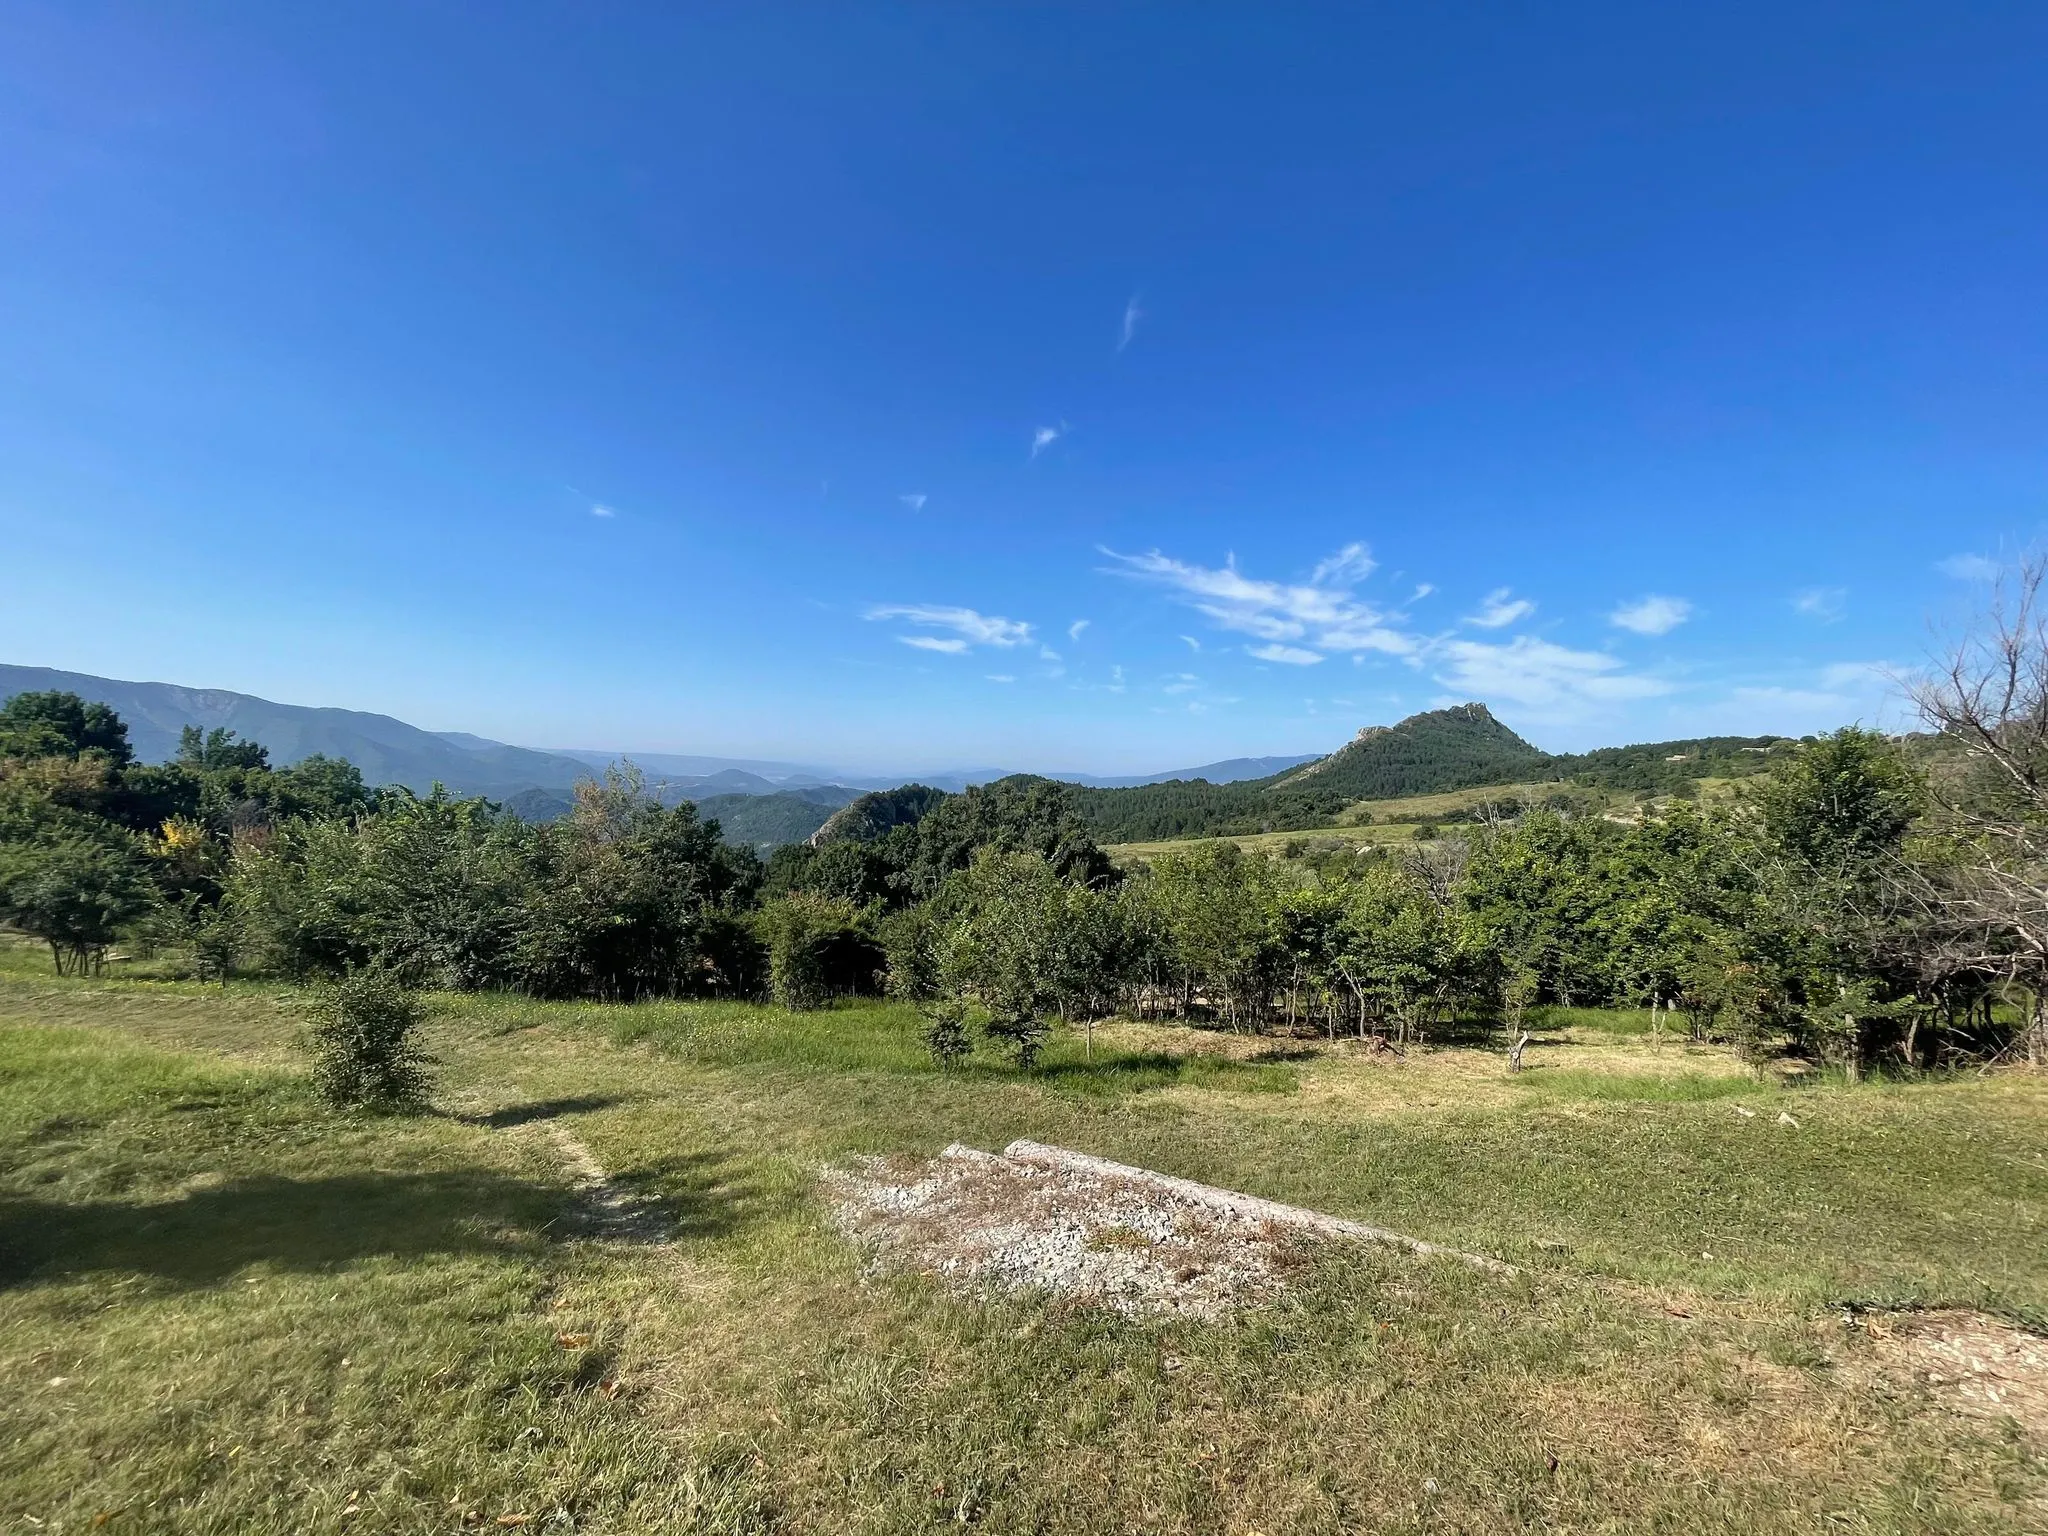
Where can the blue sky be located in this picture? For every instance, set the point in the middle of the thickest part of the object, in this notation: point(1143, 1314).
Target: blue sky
point(1108, 388)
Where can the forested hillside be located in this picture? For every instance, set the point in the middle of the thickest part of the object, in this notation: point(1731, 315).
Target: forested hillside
point(1443, 749)
point(766, 821)
point(1463, 747)
point(1661, 767)
point(1806, 912)
point(877, 812)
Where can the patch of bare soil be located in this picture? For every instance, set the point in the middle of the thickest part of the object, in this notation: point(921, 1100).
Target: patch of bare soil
point(605, 1209)
point(1973, 1363)
point(1038, 1218)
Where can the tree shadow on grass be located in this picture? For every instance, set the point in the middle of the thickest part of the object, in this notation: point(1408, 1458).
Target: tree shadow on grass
point(682, 1198)
point(1146, 1071)
point(311, 1225)
point(1284, 1055)
point(544, 1109)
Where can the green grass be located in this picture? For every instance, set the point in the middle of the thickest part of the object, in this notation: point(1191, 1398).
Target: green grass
point(1681, 1088)
point(224, 1308)
point(1605, 1021)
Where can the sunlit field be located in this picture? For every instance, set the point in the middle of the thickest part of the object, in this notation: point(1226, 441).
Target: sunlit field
point(227, 1308)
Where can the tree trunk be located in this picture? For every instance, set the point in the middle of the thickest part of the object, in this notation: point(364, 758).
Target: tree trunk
point(1515, 1055)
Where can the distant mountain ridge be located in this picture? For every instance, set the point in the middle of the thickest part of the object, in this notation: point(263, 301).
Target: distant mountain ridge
point(535, 783)
point(387, 751)
point(764, 802)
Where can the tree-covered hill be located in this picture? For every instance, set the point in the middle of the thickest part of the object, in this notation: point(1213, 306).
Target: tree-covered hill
point(871, 815)
point(1455, 748)
point(1442, 749)
point(1463, 747)
point(767, 821)
point(1660, 767)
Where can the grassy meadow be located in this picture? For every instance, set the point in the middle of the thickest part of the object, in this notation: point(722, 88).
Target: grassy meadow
point(226, 1308)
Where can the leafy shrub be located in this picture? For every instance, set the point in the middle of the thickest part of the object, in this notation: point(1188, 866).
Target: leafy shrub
point(366, 1050)
point(818, 948)
point(945, 1033)
point(1024, 1033)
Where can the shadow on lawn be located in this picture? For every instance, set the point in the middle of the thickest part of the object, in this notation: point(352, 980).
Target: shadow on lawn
point(1144, 1071)
point(316, 1224)
point(544, 1109)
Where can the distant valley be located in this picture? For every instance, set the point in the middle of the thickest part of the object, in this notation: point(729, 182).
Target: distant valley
point(535, 784)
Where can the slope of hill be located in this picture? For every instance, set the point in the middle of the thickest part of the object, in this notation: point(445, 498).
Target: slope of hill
point(1463, 747)
point(868, 817)
point(1658, 767)
point(1229, 771)
point(741, 774)
point(1453, 748)
point(765, 821)
point(387, 751)
point(1439, 750)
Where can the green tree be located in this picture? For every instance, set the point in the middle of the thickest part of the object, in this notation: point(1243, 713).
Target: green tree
point(629, 898)
point(819, 947)
point(1002, 946)
point(77, 892)
point(56, 724)
point(218, 751)
point(1218, 912)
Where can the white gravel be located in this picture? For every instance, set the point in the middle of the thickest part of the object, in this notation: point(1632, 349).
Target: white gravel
point(985, 1222)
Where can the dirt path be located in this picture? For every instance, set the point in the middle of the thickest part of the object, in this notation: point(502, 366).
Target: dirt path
point(605, 1208)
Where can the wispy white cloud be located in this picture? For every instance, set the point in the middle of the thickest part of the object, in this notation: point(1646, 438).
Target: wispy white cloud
point(1132, 315)
point(1349, 566)
point(1047, 653)
point(599, 509)
point(1322, 612)
point(1421, 591)
point(1116, 679)
point(915, 500)
point(967, 627)
point(1968, 568)
point(1824, 603)
point(1651, 615)
point(1074, 629)
point(1551, 682)
point(1001, 677)
point(1192, 644)
point(1045, 437)
point(1292, 655)
point(1500, 608)
point(1181, 682)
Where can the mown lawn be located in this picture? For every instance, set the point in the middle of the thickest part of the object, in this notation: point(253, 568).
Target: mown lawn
point(224, 1308)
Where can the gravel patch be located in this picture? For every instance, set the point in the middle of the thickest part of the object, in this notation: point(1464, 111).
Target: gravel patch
point(1126, 1239)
